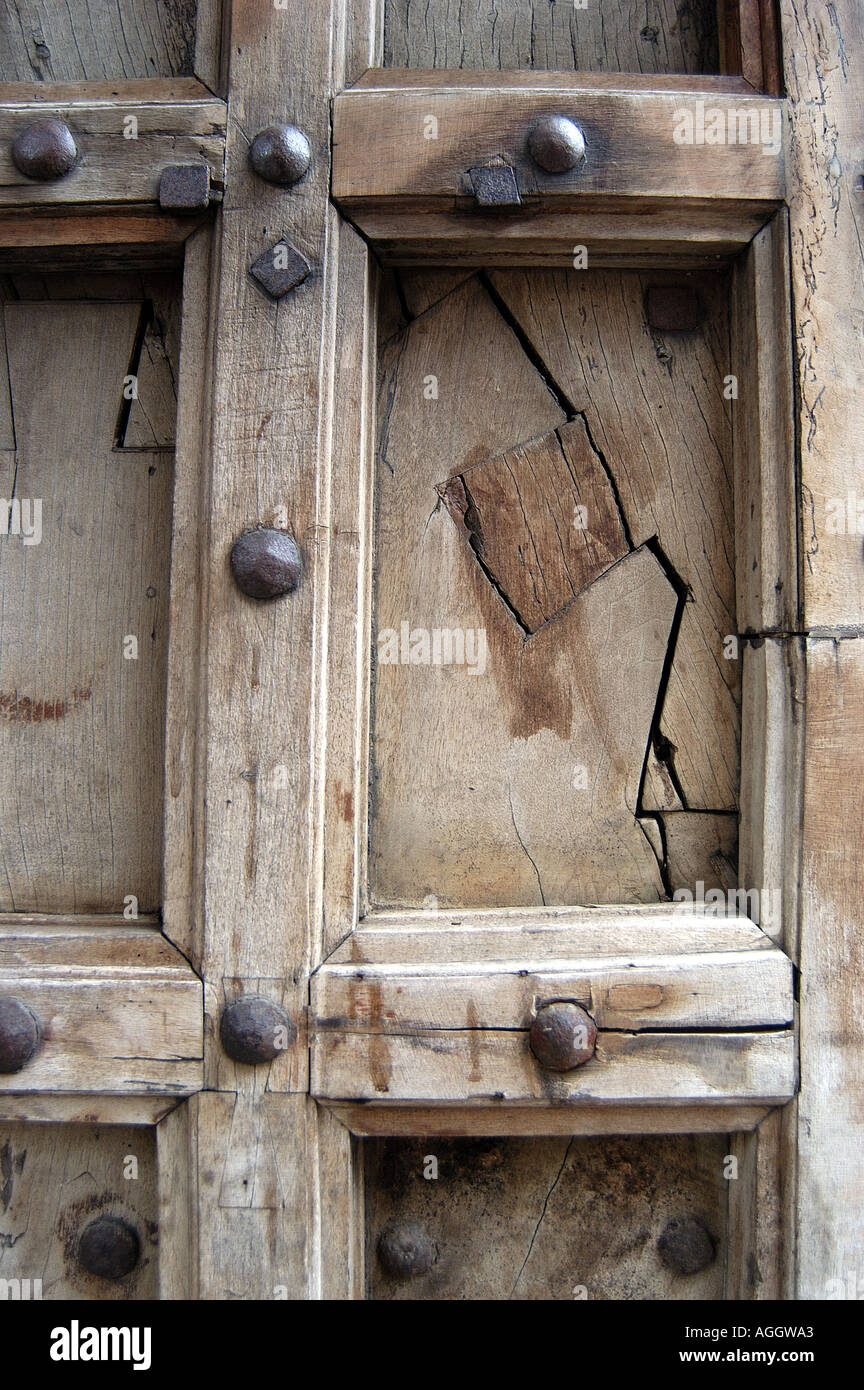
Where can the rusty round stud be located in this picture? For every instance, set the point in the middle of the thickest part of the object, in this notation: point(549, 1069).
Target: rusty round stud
point(44, 150)
point(253, 1029)
point(266, 563)
point(556, 144)
point(406, 1251)
point(562, 1036)
point(20, 1034)
point(685, 1246)
point(109, 1248)
point(280, 154)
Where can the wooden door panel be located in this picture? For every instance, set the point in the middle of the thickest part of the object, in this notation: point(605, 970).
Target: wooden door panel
point(82, 653)
point(558, 1219)
point(49, 41)
point(628, 37)
point(555, 594)
point(55, 1181)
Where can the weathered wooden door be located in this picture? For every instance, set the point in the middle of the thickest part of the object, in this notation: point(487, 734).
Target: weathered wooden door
point(426, 721)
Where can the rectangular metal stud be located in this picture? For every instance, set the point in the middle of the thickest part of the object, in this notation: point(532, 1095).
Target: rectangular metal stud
point(495, 186)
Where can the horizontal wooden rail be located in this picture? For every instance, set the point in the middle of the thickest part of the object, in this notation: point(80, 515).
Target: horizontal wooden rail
point(692, 1011)
point(127, 134)
point(120, 1011)
point(687, 174)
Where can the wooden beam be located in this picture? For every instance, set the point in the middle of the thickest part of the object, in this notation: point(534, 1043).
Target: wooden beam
point(119, 1008)
point(481, 1067)
point(401, 158)
point(533, 1121)
point(125, 139)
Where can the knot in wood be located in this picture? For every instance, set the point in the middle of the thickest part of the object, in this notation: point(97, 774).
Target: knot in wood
point(280, 154)
point(563, 1036)
point(266, 563)
point(20, 1034)
point(406, 1251)
point(44, 150)
point(109, 1248)
point(254, 1030)
point(685, 1246)
point(556, 144)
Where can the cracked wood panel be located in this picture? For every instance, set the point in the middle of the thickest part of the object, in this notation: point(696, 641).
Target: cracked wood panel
point(654, 404)
point(700, 847)
point(82, 725)
point(552, 1219)
point(53, 41)
point(660, 37)
point(539, 556)
point(53, 1182)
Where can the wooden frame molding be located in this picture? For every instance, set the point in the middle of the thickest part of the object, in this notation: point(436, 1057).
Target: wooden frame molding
point(424, 1008)
point(119, 1007)
point(401, 156)
point(111, 196)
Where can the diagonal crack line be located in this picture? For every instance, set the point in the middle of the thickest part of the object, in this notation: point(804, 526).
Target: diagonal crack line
point(562, 400)
point(542, 1215)
point(604, 464)
point(656, 739)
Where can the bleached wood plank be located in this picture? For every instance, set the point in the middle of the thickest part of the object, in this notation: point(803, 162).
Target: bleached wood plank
point(830, 1130)
point(481, 1067)
point(41, 1107)
point(82, 709)
point(368, 1120)
point(772, 776)
point(254, 872)
point(120, 1012)
point(763, 436)
point(545, 934)
point(715, 990)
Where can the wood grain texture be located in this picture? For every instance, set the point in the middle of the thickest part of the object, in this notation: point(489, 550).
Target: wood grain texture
point(659, 38)
point(701, 848)
point(654, 404)
point(82, 786)
point(494, 837)
point(774, 711)
point(824, 64)
point(119, 1008)
point(542, 519)
point(55, 1180)
point(830, 1213)
point(637, 991)
point(383, 153)
point(47, 41)
point(481, 1066)
point(250, 882)
point(545, 934)
point(548, 1220)
point(367, 1120)
point(114, 169)
point(763, 437)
